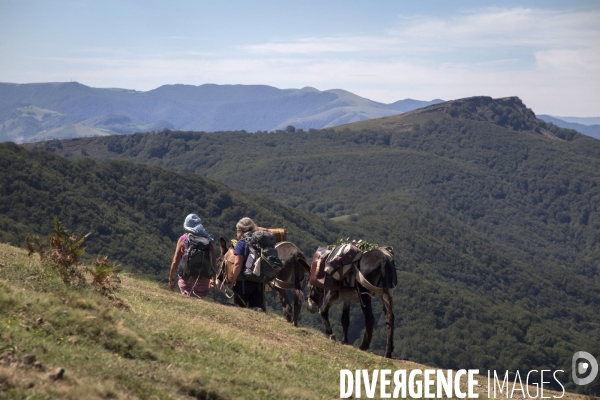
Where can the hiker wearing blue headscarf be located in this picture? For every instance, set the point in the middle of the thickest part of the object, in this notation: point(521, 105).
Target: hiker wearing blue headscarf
point(193, 224)
point(189, 285)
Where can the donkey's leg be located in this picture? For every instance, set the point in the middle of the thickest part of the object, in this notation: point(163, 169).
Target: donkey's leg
point(298, 298)
point(345, 321)
point(388, 308)
point(367, 310)
point(330, 298)
point(298, 292)
point(285, 304)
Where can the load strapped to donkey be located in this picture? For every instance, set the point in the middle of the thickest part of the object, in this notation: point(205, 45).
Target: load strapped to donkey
point(336, 266)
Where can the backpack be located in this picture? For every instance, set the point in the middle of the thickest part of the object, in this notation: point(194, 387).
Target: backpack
point(262, 263)
point(262, 240)
point(196, 260)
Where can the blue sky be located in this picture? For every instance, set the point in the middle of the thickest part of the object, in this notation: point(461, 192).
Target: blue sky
point(545, 52)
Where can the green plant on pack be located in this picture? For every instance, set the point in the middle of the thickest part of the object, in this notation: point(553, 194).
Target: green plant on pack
point(362, 245)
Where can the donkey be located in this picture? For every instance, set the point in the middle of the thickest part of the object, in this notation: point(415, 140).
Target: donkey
point(375, 273)
point(291, 277)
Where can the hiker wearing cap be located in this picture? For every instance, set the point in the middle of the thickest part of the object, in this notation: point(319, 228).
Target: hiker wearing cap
point(194, 267)
point(247, 293)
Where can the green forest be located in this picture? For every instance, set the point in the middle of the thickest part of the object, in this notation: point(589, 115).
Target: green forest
point(492, 213)
point(135, 213)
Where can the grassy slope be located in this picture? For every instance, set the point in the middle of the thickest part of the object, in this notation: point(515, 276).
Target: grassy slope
point(166, 345)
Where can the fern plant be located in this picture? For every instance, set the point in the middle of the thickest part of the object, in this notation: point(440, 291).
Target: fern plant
point(105, 277)
point(63, 254)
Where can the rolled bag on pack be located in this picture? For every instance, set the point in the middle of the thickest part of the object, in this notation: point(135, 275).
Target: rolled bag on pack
point(279, 233)
point(262, 240)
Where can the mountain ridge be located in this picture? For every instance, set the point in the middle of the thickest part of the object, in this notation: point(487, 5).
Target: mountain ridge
point(592, 130)
point(73, 109)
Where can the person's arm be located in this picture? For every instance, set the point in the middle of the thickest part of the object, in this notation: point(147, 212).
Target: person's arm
point(175, 263)
point(211, 283)
point(239, 260)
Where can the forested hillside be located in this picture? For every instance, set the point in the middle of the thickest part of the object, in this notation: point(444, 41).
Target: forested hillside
point(134, 213)
point(489, 164)
point(493, 215)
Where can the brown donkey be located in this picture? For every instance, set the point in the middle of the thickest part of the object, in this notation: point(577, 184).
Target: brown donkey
point(375, 274)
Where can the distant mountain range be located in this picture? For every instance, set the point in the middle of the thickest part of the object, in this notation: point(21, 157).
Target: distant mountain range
point(42, 111)
point(581, 120)
point(587, 126)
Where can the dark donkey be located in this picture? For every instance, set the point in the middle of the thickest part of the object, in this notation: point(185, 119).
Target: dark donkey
point(293, 276)
point(375, 274)
point(290, 277)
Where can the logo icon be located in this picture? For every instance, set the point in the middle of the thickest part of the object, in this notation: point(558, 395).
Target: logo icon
point(581, 368)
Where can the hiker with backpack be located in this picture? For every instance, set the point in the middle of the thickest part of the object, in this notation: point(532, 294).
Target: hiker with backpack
point(194, 260)
point(249, 292)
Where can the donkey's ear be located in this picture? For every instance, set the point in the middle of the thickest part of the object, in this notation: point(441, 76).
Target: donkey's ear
point(223, 244)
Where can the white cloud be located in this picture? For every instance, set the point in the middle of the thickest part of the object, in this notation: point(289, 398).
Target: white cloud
point(98, 50)
point(546, 55)
point(549, 59)
point(352, 44)
point(491, 27)
point(514, 27)
point(580, 61)
point(189, 53)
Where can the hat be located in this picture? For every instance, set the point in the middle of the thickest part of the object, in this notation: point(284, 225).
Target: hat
point(193, 224)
